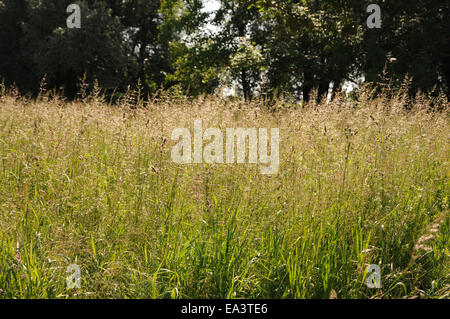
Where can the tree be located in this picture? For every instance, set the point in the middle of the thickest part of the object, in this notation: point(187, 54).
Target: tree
point(64, 55)
point(238, 45)
point(12, 16)
point(293, 47)
point(413, 41)
point(309, 45)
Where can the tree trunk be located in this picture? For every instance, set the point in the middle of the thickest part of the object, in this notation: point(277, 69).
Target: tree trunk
point(323, 90)
point(307, 86)
point(245, 85)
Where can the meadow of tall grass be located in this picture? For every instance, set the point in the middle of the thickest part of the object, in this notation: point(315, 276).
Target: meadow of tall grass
point(93, 184)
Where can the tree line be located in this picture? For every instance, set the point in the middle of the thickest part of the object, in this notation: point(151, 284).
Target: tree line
point(257, 47)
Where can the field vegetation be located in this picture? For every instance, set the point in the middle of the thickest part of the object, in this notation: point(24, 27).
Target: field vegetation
point(361, 181)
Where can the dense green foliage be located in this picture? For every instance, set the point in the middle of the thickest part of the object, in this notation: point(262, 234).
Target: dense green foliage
point(259, 47)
